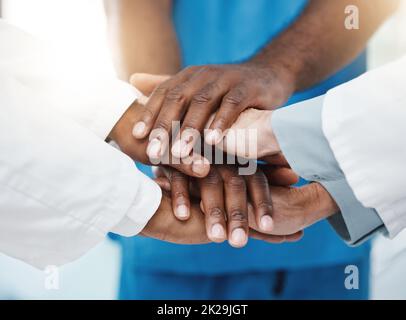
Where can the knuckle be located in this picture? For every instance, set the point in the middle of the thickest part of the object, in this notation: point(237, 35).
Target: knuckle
point(259, 180)
point(235, 97)
point(160, 90)
point(180, 194)
point(162, 124)
point(202, 97)
point(178, 177)
point(213, 178)
point(176, 95)
point(233, 100)
point(263, 205)
point(216, 212)
point(238, 215)
point(236, 183)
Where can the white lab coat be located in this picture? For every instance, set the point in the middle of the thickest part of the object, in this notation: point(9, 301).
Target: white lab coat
point(365, 123)
point(62, 187)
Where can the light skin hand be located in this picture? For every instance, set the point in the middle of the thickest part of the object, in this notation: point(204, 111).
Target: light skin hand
point(295, 209)
point(254, 126)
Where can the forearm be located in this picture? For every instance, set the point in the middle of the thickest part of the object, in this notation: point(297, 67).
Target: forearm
point(142, 37)
point(318, 44)
point(298, 130)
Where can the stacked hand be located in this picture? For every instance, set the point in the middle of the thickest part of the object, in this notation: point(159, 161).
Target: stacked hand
point(204, 202)
point(234, 206)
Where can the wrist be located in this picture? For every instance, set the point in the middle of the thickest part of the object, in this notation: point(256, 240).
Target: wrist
point(281, 71)
point(322, 205)
point(267, 143)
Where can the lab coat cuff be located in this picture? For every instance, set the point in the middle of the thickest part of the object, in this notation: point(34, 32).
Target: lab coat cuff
point(110, 100)
point(354, 223)
point(298, 130)
point(147, 201)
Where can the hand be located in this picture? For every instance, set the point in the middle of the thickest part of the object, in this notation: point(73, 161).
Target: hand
point(295, 209)
point(224, 196)
point(251, 136)
point(195, 165)
point(196, 92)
point(164, 226)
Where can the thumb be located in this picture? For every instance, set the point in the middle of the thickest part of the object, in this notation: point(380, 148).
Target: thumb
point(146, 82)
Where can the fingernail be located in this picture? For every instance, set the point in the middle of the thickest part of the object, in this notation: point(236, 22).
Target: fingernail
point(217, 231)
point(154, 148)
point(182, 211)
point(179, 149)
point(238, 237)
point(139, 129)
point(266, 223)
point(213, 137)
point(199, 167)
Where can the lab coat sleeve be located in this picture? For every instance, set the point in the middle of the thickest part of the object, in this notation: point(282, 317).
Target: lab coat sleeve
point(95, 101)
point(62, 187)
point(298, 129)
point(364, 121)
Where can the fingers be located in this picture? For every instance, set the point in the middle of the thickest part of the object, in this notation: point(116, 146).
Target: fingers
point(280, 176)
point(277, 160)
point(236, 206)
point(194, 166)
point(275, 239)
point(172, 110)
point(164, 183)
point(260, 198)
point(202, 104)
point(155, 103)
point(179, 194)
point(212, 195)
point(164, 226)
point(233, 103)
point(295, 237)
point(146, 82)
point(189, 97)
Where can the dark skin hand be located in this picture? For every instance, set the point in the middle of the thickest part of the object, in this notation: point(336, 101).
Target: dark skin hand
point(310, 50)
point(196, 92)
point(292, 209)
point(224, 196)
point(166, 227)
point(195, 165)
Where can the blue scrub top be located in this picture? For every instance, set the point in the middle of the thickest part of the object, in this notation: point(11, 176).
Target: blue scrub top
point(226, 31)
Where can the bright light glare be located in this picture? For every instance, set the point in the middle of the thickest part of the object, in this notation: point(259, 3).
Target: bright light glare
point(76, 27)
